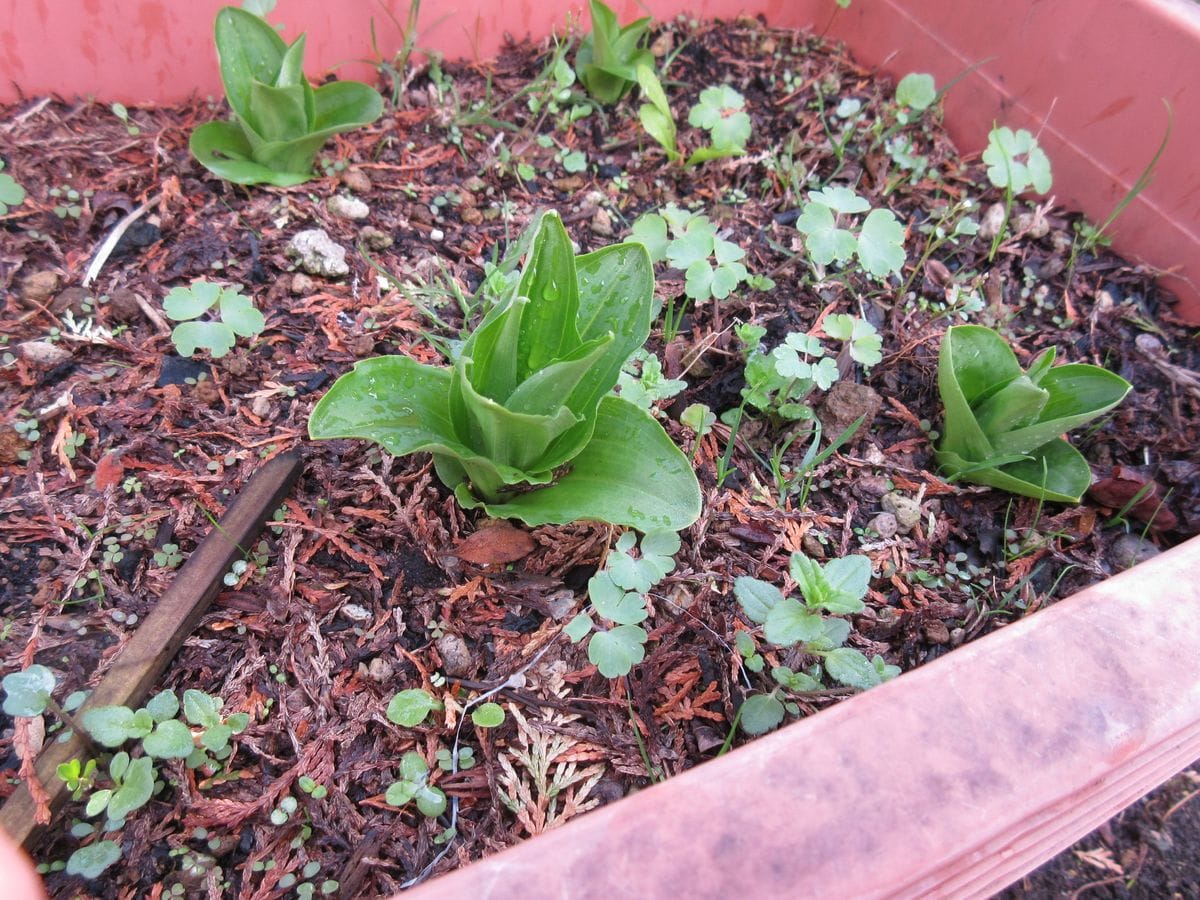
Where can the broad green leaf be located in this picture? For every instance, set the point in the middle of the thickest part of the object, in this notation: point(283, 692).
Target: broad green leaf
point(1015, 405)
point(615, 652)
point(726, 278)
point(789, 622)
point(846, 580)
point(834, 633)
point(249, 50)
point(27, 692)
point(840, 199)
point(1055, 471)
point(135, 791)
point(760, 713)
point(1077, 394)
point(631, 473)
point(661, 127)
point(278, 113)
point(661, 542)
point(851, 668)
point(696, 244)
point(916, 90)
point(216, 737)
point(163, 705)
point(549, 328)
point(182, 303)
point(171, 739)
point(699, 280)
point(881, 244)
point(222, 148)
point(240, 314)
point(973, 361)
point(410, 707)
point(92, 860)
point(109, 726)
point(824, 241)
point(711, 152)
point(488, 715)
point(202, 709)
point(756, 597)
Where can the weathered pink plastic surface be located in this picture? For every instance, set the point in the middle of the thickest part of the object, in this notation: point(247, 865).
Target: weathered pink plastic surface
point(951, 781)
point(1086, 76)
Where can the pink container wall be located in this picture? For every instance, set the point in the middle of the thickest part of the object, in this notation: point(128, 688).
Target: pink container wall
point(1088, 77)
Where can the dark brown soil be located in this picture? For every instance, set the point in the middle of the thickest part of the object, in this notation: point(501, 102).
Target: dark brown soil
point(362, 572)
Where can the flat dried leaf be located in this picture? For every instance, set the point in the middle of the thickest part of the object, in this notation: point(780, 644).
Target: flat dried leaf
point(494, 546)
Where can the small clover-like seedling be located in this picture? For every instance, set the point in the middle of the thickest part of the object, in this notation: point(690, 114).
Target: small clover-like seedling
point(834, 589)
point(237, 316)
point(618, 597)
point(409, 708)
point(27, 693)
point(1016, 163)
point(860, 336)
point(447, 762)
point(722, 112)
point(414, 785)
point(11, 192)
point(878, 243)
point(916, 91)
point(688, 241)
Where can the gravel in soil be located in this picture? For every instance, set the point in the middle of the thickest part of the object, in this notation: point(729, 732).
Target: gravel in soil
point(113, 447)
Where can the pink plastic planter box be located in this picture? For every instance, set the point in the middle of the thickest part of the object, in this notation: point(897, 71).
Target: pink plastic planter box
point(1089, 77)
point(952, 780)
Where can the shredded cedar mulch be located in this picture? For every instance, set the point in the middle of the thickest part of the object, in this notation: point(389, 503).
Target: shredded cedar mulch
point(363, 586)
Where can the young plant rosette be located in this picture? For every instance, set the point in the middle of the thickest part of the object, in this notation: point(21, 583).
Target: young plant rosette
point(524, 425)
point(280, 120)
point(1004, 426)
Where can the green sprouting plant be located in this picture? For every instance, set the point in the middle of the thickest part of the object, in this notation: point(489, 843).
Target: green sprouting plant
point(617, 594)
point(168, 556)
point(721, 111)
point(609, 55)
point(280, 120)
point(647, 386)
point(688, 241)
point(450, 762)
point(778, 382)
point(836, 588)
point(396, 69)
point(946, 224)
point(1016, 163)
point(915, 93)
point(878, 243)
point(119, 110)
point(68, 205)
point(655, 113)
point(131, 780)
point(414, 785)
point(700, 419)
point(1092, 236)
point(411, 707)
point(11, 192)
point(1003, 425)
point(238, 316)
point(523, 426)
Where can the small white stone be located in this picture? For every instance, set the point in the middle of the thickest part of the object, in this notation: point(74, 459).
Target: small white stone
point(356, 613)
point(437, 235)
point(347, 207)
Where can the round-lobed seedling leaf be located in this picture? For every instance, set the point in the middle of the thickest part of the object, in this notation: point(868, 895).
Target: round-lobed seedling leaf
point(409, 708)
point(92, 860)
point(488, 715)
point(26, 693)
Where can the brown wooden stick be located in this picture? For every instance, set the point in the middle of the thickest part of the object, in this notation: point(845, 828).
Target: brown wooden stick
point(154, 645)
